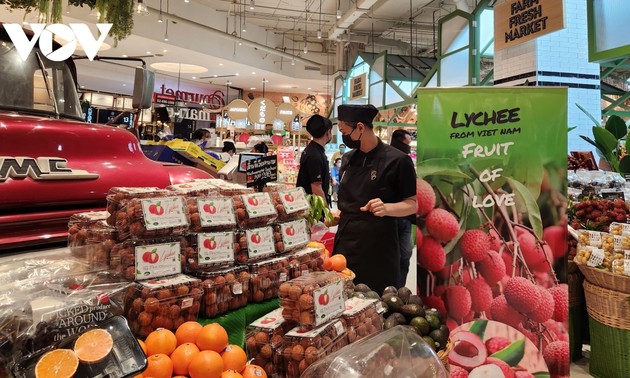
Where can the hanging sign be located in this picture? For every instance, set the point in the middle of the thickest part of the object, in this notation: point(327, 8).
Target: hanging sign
point(286, 112)
point(518, 21)
point(358, 86)
point(262, 110)
point(237, 109)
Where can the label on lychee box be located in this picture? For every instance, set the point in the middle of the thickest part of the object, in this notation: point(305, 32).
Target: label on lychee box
point(216, 211)
point(272, 320)
point(618, 242)
point(258, 205)
point(329, 302)
point(137, 190)
point(164, 212)
point(282, 277)
point(294, 233)
point(596, 258)
point(215, 247)
point(237, 288)
point(293, 200)
point(355, 305)
point(594, 238)
point(190, 187)
point(92, 216)
point(260, 242)
point(625, 229)
point(157, 260)
point(170, 281)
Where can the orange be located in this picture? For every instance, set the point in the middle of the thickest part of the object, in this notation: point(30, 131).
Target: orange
point(143, 346)
point(161, 341)
point(158, 366)
point(187, 332)
point(327, 263)
point(58, 363)
point(93, 346)
point(231, 374)
point(206, 364)
point(212, 337)
point(338, 262)
point(182, 356)
point(254, 371)
point(234, 358)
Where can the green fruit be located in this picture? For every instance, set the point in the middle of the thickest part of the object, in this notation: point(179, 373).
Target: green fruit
point(414, 299)
point(439, 337)
point(421, 325)
point(411, 311)
point(400, 318)
point(362, 288)
point(387, 296)
point(372, 295)
point(390, 289)
point(394, 304)
point(436, 313)
point(430, 341)
point(358, 294)
point(404, 294)
point(390, 323)
point(434, 321)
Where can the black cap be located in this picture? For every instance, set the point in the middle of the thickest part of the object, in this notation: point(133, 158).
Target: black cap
point(356, 113)
point(318, 125)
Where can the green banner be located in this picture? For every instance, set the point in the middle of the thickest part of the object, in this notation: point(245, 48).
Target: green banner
point(492, 166)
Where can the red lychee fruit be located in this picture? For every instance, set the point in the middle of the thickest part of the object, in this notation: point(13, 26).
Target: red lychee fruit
point(502, 312)
point(560, 295)
point(492, 267)
point(431, 255)
point(556, 356)
point(497, 343)
point(442, 225)
point(522, 294)
point(505, 368)
point(474, 245)
point(556, 238)
point(533, 253)
point(451, 324)
point(433, 301)
point(457, 372)
point(458, 301)
point(419, 237)
point(480, 294)
point(425, 197)
point(544, 311)
point(439, 290)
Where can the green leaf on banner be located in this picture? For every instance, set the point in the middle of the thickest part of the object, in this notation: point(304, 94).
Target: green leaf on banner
point(542, 374)
point(511, 354)
point(526, 200)
point(530, 174)
point(491, 164)
point(440, 167)
point(479, 328)
point(605, 139)
point(616, 126)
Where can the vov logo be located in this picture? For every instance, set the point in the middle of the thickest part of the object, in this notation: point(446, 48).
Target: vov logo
point(44, 33)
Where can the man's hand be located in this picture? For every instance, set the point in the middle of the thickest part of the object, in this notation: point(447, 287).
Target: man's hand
point(376, 207)
point(336, 214)
point(334, 181)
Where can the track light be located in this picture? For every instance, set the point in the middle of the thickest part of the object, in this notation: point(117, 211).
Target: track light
point(252, 5)
point(338, 14)
point(141, 8)
point(319, 34)
point(293, 61)
point(305, 49)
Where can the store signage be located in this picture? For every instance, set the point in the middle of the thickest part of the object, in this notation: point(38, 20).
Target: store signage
point(41, 168)
point(262, 111)
point(196, 114)
point(518, 21)
point(260, 171)
point(237, 109)
point(286, 112)
point(357, 87)
point(44, 33)
point(216, 100)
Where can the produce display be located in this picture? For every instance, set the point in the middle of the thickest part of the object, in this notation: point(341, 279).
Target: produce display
point(265, 341)
point(253, 210)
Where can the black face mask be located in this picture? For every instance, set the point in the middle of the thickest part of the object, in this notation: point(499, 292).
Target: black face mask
point(351, 143)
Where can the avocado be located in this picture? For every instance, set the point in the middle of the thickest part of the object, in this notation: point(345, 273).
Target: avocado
point(372, 295)
point(411, 311)
point(414, 299)
point(436, 313)
point(400, 318)
point(358, 294)
point(390, 323)
point(386, 297)
point(390, 289)
point(431, 343)
point(433, 320)
point(445, 330)
point(362, 288)
point(421, 325)
point(404, 294)
point(439, 337)
point(394, 303)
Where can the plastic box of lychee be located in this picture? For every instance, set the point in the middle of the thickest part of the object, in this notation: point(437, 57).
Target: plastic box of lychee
point(209, 250)
point(100, 239)
point(313, 299)
point(228, 188)
point(301, 349)
point(295, 234)
point(257, 243)
point(266, 277)
point(162, 303)
point(211, 213)
point(117, 197)
point(153, 217)
point(306, 260)
point(290, 204)
point(136, 260)
point(619, 228)
point(225, 289)
point(193, 189)
point(264, 341)
point(361, 318)
point(77, 235)
point(254, 210)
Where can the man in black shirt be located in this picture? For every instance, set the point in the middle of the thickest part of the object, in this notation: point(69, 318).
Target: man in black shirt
point(378, 185)
point(314, 173)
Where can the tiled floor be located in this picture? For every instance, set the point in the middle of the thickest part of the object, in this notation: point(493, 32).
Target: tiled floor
point(579, 369)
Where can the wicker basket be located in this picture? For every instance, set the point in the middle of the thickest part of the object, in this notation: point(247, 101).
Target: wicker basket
point(608, 307)
point(443, 354)
point(610, 351)
point(606, 279)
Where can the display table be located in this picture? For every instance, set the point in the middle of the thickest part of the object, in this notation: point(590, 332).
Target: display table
point(236, 322)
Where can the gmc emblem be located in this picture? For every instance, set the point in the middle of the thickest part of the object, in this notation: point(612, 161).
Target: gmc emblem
point(42, 168)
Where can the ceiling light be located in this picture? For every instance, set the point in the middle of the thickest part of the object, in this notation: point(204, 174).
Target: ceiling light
point(252, 5)
point(338, 14)
point(240, 43)
point(160, 20)
point(308, 89)
point(229, 82)
point(244, 28)
point(253, 73)
point(319, 34)
point(124, 85)
point(148, 52)
point(252, 88)
point(194, 77)
point(293, 61)
point(220, 64)
point(305, 49)
point(236, 74)
point(286, 99)
point(214, 75)
point(125, 55)
point(141, 7)
point(186, 1)
point(165, 50)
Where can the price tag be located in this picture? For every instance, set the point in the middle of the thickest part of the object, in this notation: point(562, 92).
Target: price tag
point(379, 307)
point(339, 328)
point(304, 272)
point(594, 238)
point(237, 288)
point(596, 258)
point(625, 229)
point(626, 267)
point(617, 242)
point(187, 302)
point(282, 277)
point(626, 255)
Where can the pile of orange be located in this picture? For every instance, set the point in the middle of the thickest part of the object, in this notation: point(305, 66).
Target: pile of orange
point(195, 351)
point(337, 263)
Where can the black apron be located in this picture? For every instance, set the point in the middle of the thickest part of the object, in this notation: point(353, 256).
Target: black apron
point(369, 243)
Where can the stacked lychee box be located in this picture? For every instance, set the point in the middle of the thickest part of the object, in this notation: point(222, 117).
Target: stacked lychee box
point(264, 341)
point(609, 251)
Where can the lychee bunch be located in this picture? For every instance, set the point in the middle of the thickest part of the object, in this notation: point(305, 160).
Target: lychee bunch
point(556, 238)
point(425, 197)
point(502, 312)
point(556, 355)
point(474, 245)
point(431, 254)
point(560, 295)
point(522, 294)
point(458, 301)
point(492, 267)
point(545, 310)
point(534, 254)
point(441, 225)
point(480, 294)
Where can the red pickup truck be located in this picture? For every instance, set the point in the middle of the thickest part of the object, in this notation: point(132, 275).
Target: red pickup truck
point(52, 163)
